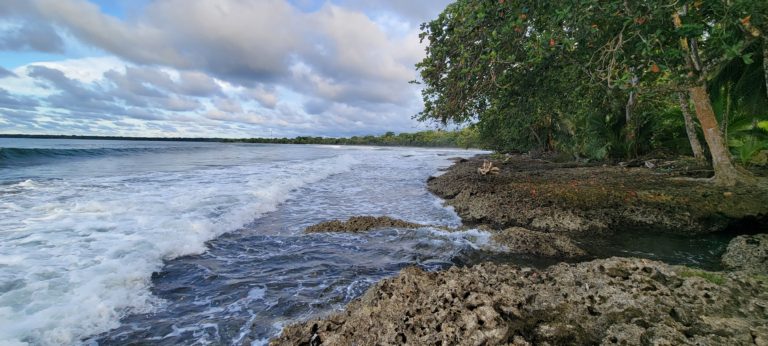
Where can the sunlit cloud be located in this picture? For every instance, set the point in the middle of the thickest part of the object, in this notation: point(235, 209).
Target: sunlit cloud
point(213, 68)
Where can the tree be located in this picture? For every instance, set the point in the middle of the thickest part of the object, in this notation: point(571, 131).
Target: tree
point(534, 66)
point(690, 127)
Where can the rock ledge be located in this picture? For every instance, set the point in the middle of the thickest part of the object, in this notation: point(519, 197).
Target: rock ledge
point(616, 301)
point(747, 252)
point(357, 224)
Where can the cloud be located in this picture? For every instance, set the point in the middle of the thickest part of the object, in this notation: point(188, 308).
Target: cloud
point(342, 67)
point(197, 84)
point(28, 36)
point(227, 105)
point(10, 101)
point(253, 42)
point(414, 11)
point(239, 40)
point(5, 73)
point(261, 94)
point(142, 93)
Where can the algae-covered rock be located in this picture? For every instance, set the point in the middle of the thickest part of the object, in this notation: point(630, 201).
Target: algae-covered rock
point(358, 224)
point(582, 200)
point(616, 301)
point(747, 252)
point(522, 241)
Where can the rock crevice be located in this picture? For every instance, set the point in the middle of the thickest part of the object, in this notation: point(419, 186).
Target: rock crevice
point(611, 302)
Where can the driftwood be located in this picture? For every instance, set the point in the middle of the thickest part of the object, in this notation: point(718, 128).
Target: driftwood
point(487, 168)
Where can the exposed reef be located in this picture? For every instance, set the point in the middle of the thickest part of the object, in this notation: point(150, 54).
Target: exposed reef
point(748, 253)
point(616, 301)
point(586, 200)
point(357, 224)
point(522, 241)
point(535, 207)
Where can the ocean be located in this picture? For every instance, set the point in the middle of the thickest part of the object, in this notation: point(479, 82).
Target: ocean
point(167, 243)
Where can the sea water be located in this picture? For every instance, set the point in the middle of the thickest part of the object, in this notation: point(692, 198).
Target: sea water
point(109, 242)
point(194, 243)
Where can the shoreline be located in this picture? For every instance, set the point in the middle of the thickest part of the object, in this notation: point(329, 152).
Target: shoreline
point(624, 300)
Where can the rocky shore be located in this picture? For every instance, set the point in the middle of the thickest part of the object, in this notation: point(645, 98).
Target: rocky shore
point(586, 200)
point(514, 240)
point(357, 224)
point(617, 301)
point(535, 207)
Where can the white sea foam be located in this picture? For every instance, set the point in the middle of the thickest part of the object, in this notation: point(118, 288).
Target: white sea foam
point(29, 183)
point(78, 255)
point(474, 238)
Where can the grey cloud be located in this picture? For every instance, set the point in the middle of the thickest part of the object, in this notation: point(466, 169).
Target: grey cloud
point(179, 104)
point(346, 69)
point(237, 40)
point(139, 42)
point(228, 105)
point(316, 106)
point(77, 98)
point(153, 82)
point(6, 73)
point(132, 87)
point(264, 96)
point(72, 94)
point(197, 84)
point(134, 98)
point(154, 88)
point(247, 42)
point(417, 11)
point(7, 100)
point(32, 37)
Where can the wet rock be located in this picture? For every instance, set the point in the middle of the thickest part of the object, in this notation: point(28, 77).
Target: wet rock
point(358, 224)
point(747, 252)
point(616, 301)
point(457, 159)
point(582, 200)
point(522, 241)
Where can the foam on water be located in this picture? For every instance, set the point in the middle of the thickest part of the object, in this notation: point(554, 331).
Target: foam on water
point(77, 255)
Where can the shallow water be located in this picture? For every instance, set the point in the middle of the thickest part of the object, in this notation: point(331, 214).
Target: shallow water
point(702, 251)
point(85, 224)
point(163, 243)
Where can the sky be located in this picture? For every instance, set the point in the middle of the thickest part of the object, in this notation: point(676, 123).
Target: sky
point(211, 68)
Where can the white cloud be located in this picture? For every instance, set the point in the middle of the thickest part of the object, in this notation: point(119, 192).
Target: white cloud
point(341, 69)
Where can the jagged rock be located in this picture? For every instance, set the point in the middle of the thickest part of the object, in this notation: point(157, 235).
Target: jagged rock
point(747, 252)
point(583, 200)
point(522, 241)
point(358, 224)
point(614, 301)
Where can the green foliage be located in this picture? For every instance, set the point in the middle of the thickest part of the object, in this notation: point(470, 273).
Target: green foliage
point(715, 278)
point(469, 137)
point(748, 142)
point(543, 75)
point(738, 94)
point(464, 138)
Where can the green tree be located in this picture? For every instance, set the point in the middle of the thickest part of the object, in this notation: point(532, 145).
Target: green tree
point(541, 72)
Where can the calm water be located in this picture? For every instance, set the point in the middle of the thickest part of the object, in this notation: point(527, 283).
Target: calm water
point(167, 243)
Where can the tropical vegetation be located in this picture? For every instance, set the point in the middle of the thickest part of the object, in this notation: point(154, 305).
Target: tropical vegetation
point(602, 79)
point(465, 138)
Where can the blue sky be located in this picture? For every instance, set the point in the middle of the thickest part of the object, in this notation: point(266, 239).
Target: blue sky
point(203, 68)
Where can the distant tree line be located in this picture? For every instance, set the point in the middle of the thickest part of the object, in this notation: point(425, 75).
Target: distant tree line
point(464, 138)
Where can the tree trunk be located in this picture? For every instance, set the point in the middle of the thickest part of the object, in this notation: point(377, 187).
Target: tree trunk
point(690, 128)
point(628, 114)
point(765, 63)
point(725, 172)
